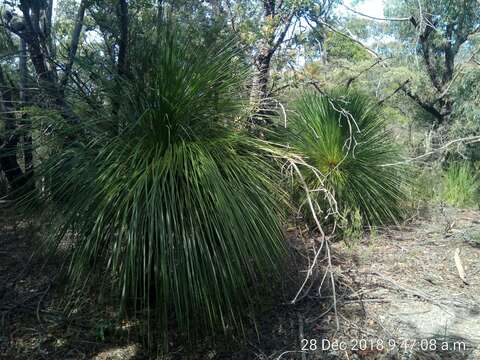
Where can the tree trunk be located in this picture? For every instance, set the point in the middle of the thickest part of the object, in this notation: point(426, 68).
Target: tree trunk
point(123, 43)
point(259, 91)
point(72, 51)
point(259, 95)
point(26, 122)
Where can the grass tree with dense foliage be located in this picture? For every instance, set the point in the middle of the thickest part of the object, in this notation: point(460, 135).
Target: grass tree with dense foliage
point(168, 201)
point(344, 136)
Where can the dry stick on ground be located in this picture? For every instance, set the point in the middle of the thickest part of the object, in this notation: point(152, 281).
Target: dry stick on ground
point(289, 352)
point(300, 333)
point(322, 239)
point(414, 292)
point(292, 165)
point(458, 264)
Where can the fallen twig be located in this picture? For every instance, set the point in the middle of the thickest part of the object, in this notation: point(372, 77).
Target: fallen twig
point(458, 264)
point(414, 292)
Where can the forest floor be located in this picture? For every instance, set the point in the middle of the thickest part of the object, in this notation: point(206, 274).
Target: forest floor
point(408, 299)
point(399, 296)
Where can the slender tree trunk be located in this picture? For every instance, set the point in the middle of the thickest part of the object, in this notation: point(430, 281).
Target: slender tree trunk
point(123, 43)
point(259, 95)
point(48, 29)
point(72, 51)
point(26, 122)
point(122, 62)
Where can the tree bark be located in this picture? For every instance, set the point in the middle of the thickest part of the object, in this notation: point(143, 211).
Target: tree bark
point(259, 90)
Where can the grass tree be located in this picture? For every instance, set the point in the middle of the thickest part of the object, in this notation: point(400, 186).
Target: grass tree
point(344, 136)
point(165, 198)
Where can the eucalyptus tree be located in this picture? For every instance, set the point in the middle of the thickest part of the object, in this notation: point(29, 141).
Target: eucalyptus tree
point(28, 27)
point(40, 54)
point(265, 27)
point(438, 30)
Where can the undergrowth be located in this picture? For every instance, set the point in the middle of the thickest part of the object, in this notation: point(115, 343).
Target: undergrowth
point(460, 186)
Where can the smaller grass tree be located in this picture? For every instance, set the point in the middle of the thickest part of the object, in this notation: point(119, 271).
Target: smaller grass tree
point(343, 135)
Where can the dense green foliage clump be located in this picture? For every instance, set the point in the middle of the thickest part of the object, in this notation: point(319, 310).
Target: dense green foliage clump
point(343, 135)
point(460, 185)
point(176, 208)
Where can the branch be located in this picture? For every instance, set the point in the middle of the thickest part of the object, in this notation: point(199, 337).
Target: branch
point(316, 86)
point(466, 140)
point(376, 18)
point(74, 44)
point(282, 34)
point(347, 36)
point(352, 79)
point(400, 87)
point(231, 16)
point(426, 106)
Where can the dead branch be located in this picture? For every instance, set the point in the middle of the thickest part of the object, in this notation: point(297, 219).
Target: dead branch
point(374, 17)
point(372, 52)
point(465, 140)
point(352, 79)
point(400, 87)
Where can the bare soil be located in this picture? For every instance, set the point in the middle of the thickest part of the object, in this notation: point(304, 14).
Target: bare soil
point(408, 295)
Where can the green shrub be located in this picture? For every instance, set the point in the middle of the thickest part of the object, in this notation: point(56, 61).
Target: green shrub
point(460, 185)
point(343, 135)
point(425, 186)
point(177, 210)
